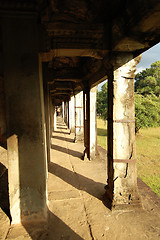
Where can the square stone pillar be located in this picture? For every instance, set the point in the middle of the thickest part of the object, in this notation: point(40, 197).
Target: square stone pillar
point(72, 115)
point(47, 109)
point(63, 110)
point(51, 115)
point(90, 123)
point(122, 175)
point(25, 118)
point(93, 123)
point(79, 128)
point(54, 118)
point(86, 107)
point(68, 114)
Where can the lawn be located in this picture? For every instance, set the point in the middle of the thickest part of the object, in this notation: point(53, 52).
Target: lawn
point(102, 133)
point(148, 153)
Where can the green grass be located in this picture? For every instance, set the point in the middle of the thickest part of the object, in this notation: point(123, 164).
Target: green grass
point(102, 133)
point(148, 153)
point(148, 157)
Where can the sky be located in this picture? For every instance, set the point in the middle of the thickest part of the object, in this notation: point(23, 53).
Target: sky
point(148, 57)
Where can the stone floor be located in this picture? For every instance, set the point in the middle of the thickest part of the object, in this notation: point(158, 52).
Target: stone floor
point(75, 201)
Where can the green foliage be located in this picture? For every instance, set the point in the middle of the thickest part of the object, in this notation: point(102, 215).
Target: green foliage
point(102, 101)
point(148, 81)
point(147, 98)
point(147, 111)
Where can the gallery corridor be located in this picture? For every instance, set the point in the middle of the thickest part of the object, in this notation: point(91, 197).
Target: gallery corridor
point(75, 189)
point(76, 197)
point(76, 202)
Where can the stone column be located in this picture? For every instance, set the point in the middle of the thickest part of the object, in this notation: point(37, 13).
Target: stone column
point(51, 116)
point(25, 119)
point(68, 116)
point(86, 107)
point(54, 118)
point(122, 176)
point(46, 108)
point(63, 110)
point(79, 128)
point(93, 123)
point(72, 115)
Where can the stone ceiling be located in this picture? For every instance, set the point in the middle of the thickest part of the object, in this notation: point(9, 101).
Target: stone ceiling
point(82, 39)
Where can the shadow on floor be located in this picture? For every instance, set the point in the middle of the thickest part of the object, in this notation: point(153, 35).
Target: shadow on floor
point(61, 124)
point(56, 229)
point(62, 127)
point(63, 138)
point(66, 150)
point(60, 229)
point(78, 181)
point(61, 132)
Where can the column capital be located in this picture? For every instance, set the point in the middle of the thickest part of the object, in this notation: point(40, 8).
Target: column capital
point(119, 59)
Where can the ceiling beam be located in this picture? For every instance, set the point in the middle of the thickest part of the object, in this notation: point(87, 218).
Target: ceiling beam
point(61, 88)
point(64, 80)
point(60, 93)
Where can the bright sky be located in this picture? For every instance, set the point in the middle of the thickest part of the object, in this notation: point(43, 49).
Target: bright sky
point(148, 57)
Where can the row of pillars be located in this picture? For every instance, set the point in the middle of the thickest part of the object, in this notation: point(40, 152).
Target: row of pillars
point(30, 114)
point(79, 114)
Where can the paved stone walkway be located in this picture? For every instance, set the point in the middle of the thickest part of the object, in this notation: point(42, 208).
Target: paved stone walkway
point(75, 201)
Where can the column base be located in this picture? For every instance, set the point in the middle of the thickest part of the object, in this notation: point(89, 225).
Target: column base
point(79, 138)
point(86, 155)
point(40, 217)
point(19, 216)
point(92, 156)
point(28, 230)
point(128, 200)
point(72, 130)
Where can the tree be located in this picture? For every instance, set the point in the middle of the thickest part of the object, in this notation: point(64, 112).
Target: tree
point(147, 100)
point(102, 101)
point(147, 111)
point(156, 67)
point(140, 77)
point(148, 81)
